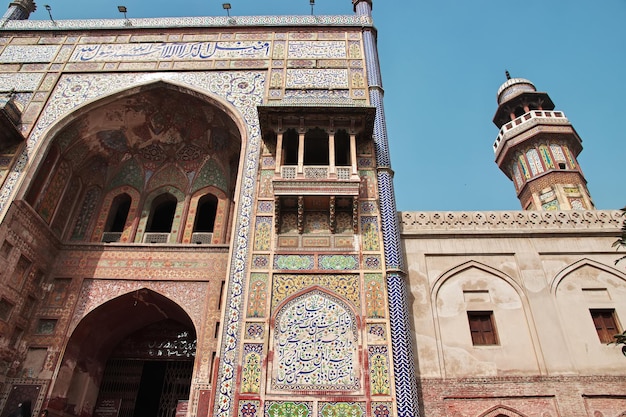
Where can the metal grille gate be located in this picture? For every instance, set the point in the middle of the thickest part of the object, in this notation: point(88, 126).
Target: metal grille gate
point(123, 379)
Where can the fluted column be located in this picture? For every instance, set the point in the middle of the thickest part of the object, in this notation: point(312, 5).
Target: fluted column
point(401, 334)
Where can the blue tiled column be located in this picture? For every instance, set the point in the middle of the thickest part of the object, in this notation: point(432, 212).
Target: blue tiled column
point(401, 334)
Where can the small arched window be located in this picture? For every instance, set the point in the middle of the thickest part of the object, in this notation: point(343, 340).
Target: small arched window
point(162, 214)
point(205, 214)
point(118, 214)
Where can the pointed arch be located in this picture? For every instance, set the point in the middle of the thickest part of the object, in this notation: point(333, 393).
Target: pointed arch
point(517, 315)
point(480, 266)
point(220, 217)
point(168, 175)
point(502, 411)
point(108, 205)
point(48, 130)
point(80, 372)
point(147, 210)
point(558, 278)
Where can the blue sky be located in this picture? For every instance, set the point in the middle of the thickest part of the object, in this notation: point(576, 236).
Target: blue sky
point(442, 63)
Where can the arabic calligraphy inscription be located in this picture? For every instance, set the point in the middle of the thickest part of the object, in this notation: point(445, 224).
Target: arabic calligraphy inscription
point(168, 51)
point(316, 345)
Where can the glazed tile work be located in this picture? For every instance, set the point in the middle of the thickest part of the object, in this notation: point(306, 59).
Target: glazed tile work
point(296, 321)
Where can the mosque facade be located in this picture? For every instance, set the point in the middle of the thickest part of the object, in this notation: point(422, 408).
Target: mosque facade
point(197, 218)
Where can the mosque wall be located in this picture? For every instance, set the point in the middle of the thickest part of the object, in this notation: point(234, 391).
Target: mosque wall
point(539, 280)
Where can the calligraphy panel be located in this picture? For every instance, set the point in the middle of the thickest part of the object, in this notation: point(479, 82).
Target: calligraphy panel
point(315, 345)
point(168, 51)
point(317, 49)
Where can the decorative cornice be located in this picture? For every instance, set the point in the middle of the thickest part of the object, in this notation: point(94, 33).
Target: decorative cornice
point(516, 222)
point(189, 22)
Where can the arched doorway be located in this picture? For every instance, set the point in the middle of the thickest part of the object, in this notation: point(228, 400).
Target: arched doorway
point(135, 353)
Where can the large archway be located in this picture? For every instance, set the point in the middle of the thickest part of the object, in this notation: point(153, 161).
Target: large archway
point(136, 351)
point(137, 142)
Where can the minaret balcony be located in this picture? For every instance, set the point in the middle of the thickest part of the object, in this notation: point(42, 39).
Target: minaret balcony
point(316, 180)
point(526, 122)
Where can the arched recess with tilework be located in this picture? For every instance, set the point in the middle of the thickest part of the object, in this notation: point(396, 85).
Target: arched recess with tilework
point(146, 137)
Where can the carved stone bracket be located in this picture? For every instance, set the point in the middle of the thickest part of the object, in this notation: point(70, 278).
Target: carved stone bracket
point(355, 214)
point(300, 214)
point(332, 215)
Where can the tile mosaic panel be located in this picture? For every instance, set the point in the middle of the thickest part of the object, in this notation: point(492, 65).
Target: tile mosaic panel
point(316, 345)
point(167, 51)
point(129, 174)
point(341, 409)
point(257, 295)
point(169, 175)
point(85, 214)
point(276, 78)
point(210, 174)
point(354, 48)
point(263, 233)
point(369, 232)
point(255, 331)
point(28, 53)
point(317, 78)
point(381, 409)
point(338, 262)
point(190, 296)
point(346, 285)
point(288, 409)
point(316, 241)
point(249, 408)
point(379, 370)
point(184, 265)
point(265, 207)
point(278, 52)
point(53, 192)
point(266, 190)
point(204, 21)
point(325, 95)
point(371, 262)
point(369, 207)
point(367, 187)
point(376, 332)
point(294, 262)
point(251, 369)
point(375, 302)
point(299, 49)
point(20, 81)
point(260, 261)
point(357, 80)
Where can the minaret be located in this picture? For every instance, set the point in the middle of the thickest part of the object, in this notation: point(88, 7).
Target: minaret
point(19, 10)
point(537, 148)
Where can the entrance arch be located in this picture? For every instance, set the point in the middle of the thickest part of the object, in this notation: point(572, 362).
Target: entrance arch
point(137, 349)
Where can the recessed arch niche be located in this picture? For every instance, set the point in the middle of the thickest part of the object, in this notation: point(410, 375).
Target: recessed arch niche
point(138, 330)
point(149, 137)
